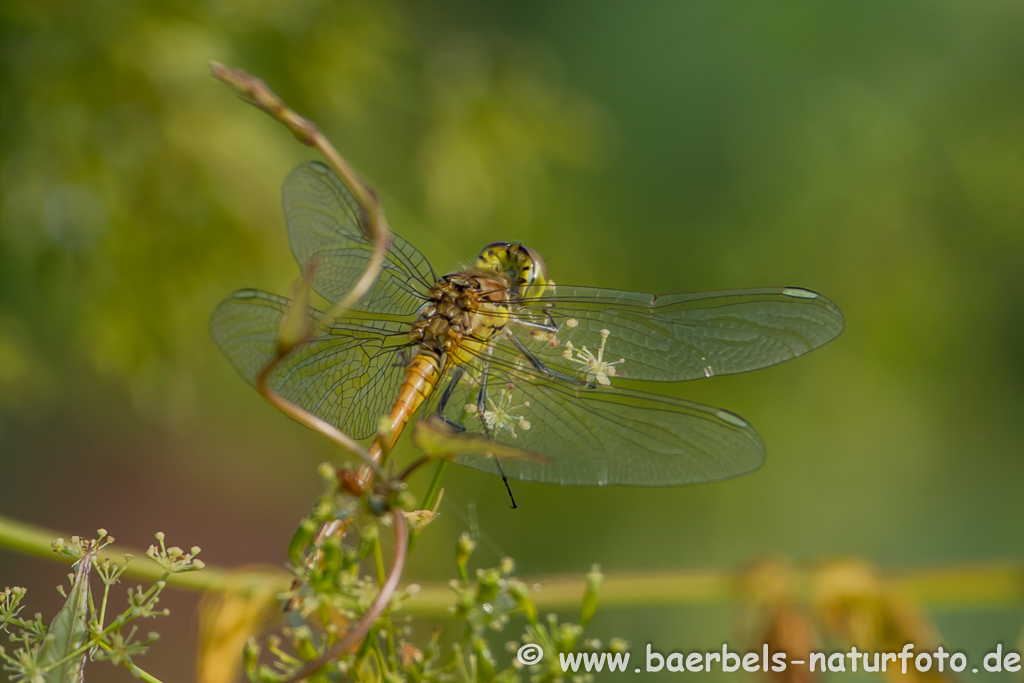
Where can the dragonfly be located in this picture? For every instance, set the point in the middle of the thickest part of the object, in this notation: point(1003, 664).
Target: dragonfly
point(498, 350)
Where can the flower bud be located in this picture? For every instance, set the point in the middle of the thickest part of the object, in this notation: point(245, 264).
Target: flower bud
point(406, 500)
point(594, 580)
point(332, 556)
point(250, 655)
point(463, 549)
point(327, 471)
point(617, 645)
point(566, 637)
point(487, 585)
point(485, 664)
point(301, 539)
point(521, 594)
point(302, 640)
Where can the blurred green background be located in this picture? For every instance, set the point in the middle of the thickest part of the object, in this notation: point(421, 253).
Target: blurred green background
point(871, 151)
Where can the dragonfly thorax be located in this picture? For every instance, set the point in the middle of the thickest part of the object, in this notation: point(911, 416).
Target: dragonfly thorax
point(464, 312)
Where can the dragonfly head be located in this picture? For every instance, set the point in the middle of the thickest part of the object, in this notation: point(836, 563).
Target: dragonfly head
point(523, 267)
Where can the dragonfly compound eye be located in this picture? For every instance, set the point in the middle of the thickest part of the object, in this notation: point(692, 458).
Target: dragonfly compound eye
point(534, 273)
point(494, 257)
point(523, 266)
point(537, 264)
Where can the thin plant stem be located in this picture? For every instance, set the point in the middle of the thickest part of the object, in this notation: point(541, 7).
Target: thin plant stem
point(80, 650)
point(38, 542)
point(430, 497)
point(966, 587)
point(378, 559)
point(308, 419)
point(142, 673)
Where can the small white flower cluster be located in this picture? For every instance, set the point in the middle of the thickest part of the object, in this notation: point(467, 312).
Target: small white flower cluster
point(498, 414)
point(595, 366)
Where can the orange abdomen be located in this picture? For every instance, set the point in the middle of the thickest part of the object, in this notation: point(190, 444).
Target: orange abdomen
point(421, 376)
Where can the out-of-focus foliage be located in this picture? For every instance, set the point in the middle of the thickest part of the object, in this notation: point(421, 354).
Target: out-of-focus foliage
point(832, 607)
point(134, 188)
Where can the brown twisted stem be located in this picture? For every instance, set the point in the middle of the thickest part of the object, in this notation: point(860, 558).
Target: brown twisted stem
point(312, 421)
point(373, 225)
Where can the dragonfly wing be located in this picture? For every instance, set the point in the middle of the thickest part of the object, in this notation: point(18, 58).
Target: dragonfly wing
point(598, 436)
point(349, 375)
point(326, 224)
point(675, 337)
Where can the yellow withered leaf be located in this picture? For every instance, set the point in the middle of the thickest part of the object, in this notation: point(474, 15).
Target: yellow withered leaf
point(226, 619)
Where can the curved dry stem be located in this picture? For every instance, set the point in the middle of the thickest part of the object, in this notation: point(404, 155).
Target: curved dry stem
point(254, 91)
point(355, 635)
point(413, 466)
point(312, 421)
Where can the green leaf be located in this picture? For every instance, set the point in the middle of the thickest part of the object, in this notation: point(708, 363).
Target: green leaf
point(436, 440)
point(69, 630)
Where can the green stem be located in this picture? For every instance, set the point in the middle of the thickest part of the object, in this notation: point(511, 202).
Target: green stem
point(430, 497)
point(378, 560)
point(136, 671)
point(80, 650)
point(374, 638)
point(965, 587)
point(126, 617)
point(141, 673)
point(103, 605)
point(36, 542)
point(382, 575)
point(389, 634)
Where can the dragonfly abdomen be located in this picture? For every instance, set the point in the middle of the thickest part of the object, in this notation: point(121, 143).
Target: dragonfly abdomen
point(421, 377)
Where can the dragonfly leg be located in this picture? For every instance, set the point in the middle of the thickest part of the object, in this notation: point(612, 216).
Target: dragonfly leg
point(454, 425)
point(549, 326)
point(403, 357)
point(442, 403)
point(540, 367)
point(445, 397)
point(481, 407)
point(507, 487)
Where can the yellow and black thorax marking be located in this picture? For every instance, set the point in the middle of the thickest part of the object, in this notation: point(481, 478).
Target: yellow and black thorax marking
point(466, 311)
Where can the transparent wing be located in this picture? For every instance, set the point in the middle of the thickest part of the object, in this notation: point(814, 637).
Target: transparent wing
point(326, 224)
point(348, 376)
point(672, 337)
point(600, 436)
